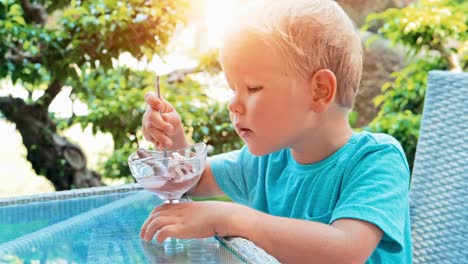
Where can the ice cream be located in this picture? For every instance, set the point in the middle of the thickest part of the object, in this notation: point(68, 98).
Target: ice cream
point(175, 171)
point(176, 177)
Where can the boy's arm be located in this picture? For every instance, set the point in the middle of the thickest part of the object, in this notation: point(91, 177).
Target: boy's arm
point(293, 240)
point(207, 185)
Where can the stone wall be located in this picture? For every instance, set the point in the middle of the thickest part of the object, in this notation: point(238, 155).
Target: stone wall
point(359, 9)
point(380, 57)
point(380, 60)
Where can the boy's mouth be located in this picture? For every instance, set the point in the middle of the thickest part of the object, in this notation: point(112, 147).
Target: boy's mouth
point(243, 131)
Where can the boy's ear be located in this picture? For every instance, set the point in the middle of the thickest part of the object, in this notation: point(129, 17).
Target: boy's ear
point(323, 88)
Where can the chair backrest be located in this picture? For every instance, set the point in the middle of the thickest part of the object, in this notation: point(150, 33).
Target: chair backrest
point(439, 187)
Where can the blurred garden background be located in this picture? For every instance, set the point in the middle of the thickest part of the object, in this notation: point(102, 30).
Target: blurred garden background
point(73, 75)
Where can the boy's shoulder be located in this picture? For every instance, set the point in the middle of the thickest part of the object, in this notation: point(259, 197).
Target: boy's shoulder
point(376, 138)
point(377, 146)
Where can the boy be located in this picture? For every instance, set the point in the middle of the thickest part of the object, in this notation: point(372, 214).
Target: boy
point(306, 185)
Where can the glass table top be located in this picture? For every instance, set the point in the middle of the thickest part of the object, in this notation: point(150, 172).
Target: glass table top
point(95, 230)
point(20, 219)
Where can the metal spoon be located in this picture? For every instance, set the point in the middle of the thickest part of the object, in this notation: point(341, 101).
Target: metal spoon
point(160, 112)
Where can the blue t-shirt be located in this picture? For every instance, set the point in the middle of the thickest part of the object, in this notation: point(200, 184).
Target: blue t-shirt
point(366, 179)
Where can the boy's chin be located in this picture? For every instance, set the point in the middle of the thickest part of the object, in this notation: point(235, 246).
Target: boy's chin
point(257, 151)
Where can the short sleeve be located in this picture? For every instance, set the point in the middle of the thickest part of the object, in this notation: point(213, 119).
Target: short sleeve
point(231, 170)
point(376, 191)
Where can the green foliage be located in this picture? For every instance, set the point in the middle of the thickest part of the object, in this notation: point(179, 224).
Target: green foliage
point(86, 32)
point(115, 101)
point(427, 24)
point(407, 90)
point(211, 124)
point(209, 62)
point(404, 126)
point(353, 117)
point(434, 33)
point(116, 165)
point(19, 38)
point(102, 29)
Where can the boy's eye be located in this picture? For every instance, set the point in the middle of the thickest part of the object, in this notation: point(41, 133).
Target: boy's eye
point(254, 88)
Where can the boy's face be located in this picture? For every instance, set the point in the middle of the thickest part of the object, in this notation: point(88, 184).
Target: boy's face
point(270, 105)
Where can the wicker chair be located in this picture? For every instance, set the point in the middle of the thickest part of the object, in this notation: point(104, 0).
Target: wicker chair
point(439, 187)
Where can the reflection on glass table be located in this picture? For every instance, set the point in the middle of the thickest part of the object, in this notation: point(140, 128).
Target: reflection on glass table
point(107, 232)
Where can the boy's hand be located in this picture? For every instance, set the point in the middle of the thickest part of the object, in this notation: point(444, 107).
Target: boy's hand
point(190, 220)
point(165, 129)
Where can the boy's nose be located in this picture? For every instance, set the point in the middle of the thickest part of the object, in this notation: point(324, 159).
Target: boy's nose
point(235, 105)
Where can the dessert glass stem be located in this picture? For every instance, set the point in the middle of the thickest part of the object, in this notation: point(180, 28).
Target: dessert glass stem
point(172, 245)
point(172, 201)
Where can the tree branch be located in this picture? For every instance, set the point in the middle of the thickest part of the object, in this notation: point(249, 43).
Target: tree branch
point(34, 12)
point(450, 57)
point(50, 93)
point(179, 75)
point(4, 103)
point(8, 105)
point(17, 56)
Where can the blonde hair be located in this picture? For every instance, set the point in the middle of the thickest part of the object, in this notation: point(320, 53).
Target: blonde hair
point(311, 35)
